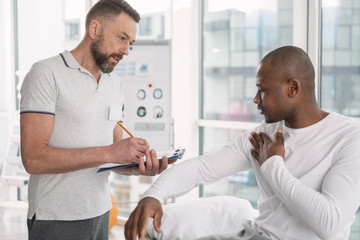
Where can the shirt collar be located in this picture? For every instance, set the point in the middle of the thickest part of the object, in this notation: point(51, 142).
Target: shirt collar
point(69, 60)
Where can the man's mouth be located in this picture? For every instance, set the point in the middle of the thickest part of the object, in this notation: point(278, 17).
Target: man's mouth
point(117, 58)
point(260, 109)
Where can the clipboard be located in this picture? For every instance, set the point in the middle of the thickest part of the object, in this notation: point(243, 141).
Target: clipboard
point(171, 155)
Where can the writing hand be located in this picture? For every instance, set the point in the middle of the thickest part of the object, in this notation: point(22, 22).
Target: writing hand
point(128, 150)
point(264, 147)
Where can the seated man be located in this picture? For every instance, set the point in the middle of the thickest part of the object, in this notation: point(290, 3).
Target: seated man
point(306, 161)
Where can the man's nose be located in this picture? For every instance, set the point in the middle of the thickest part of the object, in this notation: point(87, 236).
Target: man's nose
point(125, 49)
point(257, 98)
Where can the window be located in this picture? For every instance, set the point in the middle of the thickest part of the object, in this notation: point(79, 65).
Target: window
point(235, 38)
point(72, 30)
point(153, 18)
point(145, 26)
point(236, 35)
point(340, 57)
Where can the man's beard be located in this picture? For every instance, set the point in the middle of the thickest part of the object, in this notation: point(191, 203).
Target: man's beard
point(102, 59)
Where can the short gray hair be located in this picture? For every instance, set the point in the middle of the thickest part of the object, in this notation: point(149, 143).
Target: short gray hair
point(110, 9)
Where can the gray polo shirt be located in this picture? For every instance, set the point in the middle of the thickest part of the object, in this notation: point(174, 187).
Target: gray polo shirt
point(62, 87)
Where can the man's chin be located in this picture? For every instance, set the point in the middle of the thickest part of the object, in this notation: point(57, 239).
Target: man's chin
point(269, 120)
point(109, 68)
point(112, 66)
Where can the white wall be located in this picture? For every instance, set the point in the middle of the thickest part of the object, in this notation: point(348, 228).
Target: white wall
point(6, 74)
point(39, 37)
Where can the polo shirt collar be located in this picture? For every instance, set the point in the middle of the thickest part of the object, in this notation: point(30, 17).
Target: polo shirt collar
point(71, 62)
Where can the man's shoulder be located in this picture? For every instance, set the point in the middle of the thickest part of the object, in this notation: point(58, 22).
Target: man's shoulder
point(346, 128)
point(342, 120)
point(49, 63)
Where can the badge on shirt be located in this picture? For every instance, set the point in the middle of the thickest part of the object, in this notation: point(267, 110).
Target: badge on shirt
point(115, 113)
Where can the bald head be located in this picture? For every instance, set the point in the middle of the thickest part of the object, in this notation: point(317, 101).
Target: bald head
point(292, 62)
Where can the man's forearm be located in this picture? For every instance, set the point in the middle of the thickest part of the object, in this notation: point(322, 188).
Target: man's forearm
point(50, 160)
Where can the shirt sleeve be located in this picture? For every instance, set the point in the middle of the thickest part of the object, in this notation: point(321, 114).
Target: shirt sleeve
point(328, 211)
point(38, 91)
point(182, 177)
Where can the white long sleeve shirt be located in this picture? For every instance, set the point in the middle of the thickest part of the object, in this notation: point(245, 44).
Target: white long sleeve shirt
point(311, 194)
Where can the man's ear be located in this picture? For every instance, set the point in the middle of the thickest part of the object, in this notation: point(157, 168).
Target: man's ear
point(293, 87)
point(94, 29)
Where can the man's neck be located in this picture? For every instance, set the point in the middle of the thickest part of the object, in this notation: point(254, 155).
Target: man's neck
point(84, 57)
point(306, 118)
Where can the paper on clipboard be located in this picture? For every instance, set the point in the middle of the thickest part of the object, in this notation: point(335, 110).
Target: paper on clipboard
point(171, 155)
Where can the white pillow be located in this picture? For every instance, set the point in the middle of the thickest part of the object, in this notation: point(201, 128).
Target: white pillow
point(202, 217)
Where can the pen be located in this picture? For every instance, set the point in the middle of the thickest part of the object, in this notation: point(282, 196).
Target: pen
point(124, 128)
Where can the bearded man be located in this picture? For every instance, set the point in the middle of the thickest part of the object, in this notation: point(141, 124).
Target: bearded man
point(66, 131)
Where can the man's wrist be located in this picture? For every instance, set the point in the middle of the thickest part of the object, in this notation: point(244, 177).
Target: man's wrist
point(270, 160)
point(107, 157)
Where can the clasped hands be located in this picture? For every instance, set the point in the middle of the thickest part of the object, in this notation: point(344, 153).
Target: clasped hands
point(265, 147)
